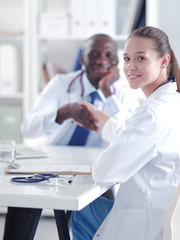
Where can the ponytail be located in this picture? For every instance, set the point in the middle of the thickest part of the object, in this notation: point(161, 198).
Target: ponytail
point(174, 69)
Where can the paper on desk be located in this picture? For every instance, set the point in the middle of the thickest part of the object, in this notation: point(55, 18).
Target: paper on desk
point(50, 168)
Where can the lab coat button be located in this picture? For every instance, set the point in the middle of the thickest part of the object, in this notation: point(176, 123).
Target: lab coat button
point(98, 235)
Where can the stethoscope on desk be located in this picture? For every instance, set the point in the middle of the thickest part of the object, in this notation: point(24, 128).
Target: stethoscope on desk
point(80, 76)
point(43, 177)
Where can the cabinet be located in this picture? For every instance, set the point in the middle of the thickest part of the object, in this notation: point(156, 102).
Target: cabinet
point(16, 72)
point(12, 43)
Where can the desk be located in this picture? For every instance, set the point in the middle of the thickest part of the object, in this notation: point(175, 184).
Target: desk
point(41, 195)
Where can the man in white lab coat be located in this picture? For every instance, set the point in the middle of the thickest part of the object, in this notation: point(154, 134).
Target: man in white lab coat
point(54, 115)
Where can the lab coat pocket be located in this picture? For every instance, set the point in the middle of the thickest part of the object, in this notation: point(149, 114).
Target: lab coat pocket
point(124, 224)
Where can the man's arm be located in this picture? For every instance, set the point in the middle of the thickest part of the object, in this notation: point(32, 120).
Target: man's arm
point(79, 113)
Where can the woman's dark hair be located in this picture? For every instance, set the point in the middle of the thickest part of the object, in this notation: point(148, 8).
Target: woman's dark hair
point(162, 47)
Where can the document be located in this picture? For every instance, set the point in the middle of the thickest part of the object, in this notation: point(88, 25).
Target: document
point(50, 168)
point(23, 152)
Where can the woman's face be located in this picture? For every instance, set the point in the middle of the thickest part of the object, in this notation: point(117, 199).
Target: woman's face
point(142, 65)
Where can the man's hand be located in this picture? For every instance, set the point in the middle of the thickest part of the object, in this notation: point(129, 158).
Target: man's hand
point(101, 116)
point(111, 76)
point(79, 113)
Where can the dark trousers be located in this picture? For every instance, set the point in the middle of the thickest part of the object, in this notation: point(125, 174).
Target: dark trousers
point(16, 222)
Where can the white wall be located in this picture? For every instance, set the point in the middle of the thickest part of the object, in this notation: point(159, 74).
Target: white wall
point(165, 15)
point(14, 10)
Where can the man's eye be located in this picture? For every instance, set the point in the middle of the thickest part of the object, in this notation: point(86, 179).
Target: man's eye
point(93, 54)
point(110, 56)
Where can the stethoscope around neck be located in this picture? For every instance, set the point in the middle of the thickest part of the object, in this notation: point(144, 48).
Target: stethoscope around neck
point(80, 76)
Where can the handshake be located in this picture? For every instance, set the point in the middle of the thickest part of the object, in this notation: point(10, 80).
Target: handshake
point(94, 116)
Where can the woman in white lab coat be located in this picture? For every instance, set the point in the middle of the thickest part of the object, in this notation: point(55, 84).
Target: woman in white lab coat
point(144, 155)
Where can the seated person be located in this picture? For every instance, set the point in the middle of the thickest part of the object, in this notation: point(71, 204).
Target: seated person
point(144, 154)
point(54, 115)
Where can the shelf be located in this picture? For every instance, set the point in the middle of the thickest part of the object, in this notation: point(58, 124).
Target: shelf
point(11, 39)
point(69, 38)
point(15, 97)
point(11, 34)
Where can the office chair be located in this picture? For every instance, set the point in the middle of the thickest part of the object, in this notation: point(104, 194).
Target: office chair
point(171, 228)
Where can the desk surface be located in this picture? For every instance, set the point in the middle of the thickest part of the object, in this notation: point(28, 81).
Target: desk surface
point(42, 195)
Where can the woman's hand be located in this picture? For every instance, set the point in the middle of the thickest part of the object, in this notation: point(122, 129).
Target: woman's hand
point(99, 115)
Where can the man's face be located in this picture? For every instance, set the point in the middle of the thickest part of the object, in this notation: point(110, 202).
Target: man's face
point(99, 55)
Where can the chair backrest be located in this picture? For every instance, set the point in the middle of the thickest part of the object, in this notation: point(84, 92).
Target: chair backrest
point(171, 228)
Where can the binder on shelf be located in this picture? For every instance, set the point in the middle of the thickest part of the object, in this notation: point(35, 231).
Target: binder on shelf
point(77, 13)
point(92, 17)
point(50, 70)
point(130, 16)
point(8, 69)
point(77, 64)
point(139, 19)
point(107, 22)
point(54, 24)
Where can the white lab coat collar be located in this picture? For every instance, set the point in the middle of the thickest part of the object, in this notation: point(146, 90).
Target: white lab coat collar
point(168, 87)
point(88, 87)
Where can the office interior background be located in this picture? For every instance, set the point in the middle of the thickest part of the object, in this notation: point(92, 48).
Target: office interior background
point(39, 38)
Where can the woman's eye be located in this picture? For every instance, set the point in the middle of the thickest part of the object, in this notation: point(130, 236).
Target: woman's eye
point(126, 59)
point(140, 58)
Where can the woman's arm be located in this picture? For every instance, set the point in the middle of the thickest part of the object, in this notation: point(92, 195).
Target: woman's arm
point(101, 116)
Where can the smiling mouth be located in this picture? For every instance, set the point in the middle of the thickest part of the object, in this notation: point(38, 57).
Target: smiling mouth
point(133, 77)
